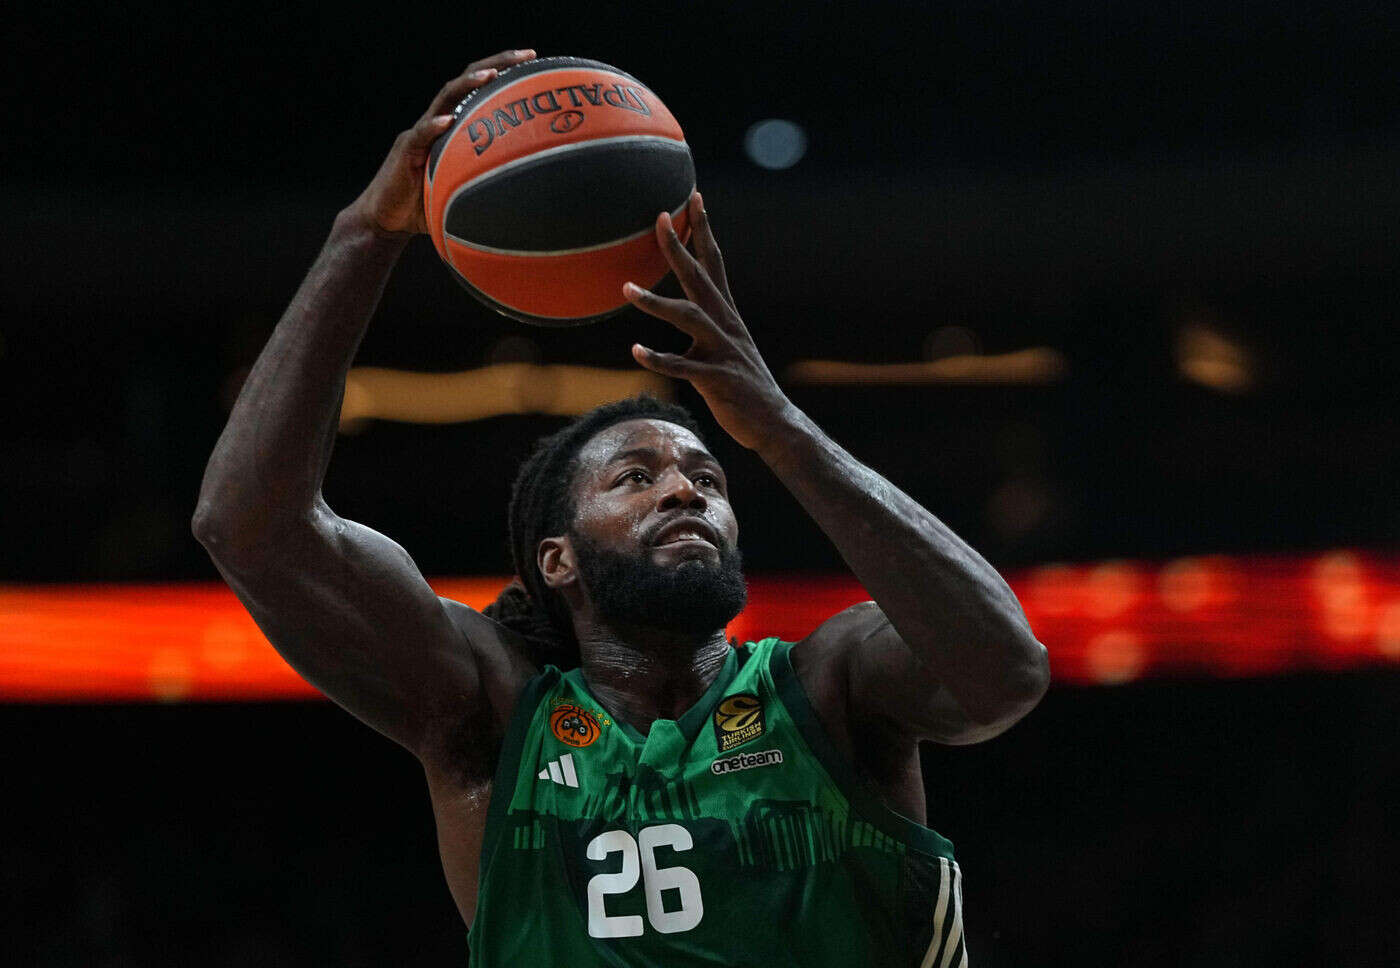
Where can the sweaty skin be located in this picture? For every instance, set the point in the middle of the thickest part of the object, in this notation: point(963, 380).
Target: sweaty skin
point(943, 652)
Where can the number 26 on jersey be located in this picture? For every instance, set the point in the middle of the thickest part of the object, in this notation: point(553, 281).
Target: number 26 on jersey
point(639, 861)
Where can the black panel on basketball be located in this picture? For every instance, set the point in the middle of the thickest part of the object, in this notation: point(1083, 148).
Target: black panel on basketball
point(509, 76)
point(530, 318)
point(588, 194)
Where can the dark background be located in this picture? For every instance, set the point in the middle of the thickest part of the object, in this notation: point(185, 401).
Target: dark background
point(1087, 176)
point(1153, 825)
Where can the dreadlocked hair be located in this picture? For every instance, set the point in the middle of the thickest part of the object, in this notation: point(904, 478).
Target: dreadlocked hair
point(542, 505)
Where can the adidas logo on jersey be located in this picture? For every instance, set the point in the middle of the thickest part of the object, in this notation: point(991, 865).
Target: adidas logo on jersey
point(560, 771)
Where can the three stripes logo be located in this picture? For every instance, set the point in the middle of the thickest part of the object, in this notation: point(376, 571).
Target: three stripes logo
point(560, 771)
point(947, 949)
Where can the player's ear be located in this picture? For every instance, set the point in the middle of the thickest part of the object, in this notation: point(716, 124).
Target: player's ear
point(555, 559)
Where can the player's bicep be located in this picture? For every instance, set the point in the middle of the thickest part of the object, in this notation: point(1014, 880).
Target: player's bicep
point(887, 683)
point(351, 613)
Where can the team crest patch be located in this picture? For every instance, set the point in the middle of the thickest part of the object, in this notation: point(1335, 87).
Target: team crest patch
point(575, 726)
point(738, 719)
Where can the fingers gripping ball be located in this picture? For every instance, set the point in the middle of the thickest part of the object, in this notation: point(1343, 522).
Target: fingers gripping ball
point(542, 195)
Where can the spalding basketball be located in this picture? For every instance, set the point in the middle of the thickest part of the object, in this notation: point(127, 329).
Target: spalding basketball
point(542, 195)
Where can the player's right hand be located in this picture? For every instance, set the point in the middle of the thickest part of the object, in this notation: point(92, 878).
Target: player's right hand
point(393, 201)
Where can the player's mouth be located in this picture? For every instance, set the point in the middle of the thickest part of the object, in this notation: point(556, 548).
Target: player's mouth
point(687, 531)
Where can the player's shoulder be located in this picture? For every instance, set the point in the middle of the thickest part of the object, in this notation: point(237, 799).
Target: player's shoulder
point(838, 635)
point(504, 664)
point(504, 657)
point(855, 620)
point(822, 660)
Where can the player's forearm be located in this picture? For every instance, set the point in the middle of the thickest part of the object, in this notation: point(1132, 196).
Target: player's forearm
point(946, 602)
point(265, 473)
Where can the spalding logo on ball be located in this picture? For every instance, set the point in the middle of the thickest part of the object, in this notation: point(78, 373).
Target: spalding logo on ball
point(542, 196)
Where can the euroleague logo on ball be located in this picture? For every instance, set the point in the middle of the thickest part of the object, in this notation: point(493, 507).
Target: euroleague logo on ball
point(566, 122)
point(573, 725)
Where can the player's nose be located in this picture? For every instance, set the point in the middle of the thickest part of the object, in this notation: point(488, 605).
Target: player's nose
point(677, 490)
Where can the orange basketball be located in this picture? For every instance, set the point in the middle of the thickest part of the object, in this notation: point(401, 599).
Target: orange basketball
point(542, 195)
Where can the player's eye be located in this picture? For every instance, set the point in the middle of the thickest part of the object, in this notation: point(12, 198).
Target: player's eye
point(634, 475)
point(706, 480)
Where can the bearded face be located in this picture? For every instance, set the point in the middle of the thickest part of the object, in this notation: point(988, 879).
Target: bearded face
point(654, 542)
point(693, 594)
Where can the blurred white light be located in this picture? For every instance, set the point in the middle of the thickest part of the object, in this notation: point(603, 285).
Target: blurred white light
point(774, 143)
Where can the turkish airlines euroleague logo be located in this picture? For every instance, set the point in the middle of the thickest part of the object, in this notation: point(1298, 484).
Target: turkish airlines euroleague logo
point(573, 725)
point(564, 106)
point(738, 719)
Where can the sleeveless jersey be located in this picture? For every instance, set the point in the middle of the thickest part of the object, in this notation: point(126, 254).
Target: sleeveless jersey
point(734, 836)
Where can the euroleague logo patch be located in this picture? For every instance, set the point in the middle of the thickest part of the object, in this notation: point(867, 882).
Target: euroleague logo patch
point(738, 719)
point(573, 725)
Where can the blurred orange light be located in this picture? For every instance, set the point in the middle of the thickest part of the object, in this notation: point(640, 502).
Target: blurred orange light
point(373, 393)
point(1103, 623)
point(1213, 360)
point(1034, 366)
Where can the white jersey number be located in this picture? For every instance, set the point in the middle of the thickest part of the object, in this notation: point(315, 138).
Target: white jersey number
point(655, 879)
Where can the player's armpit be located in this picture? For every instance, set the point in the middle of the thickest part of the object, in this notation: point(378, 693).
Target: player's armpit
point(886, 683)
point(350, 612)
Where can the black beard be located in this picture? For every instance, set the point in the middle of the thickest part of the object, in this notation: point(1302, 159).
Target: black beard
point(693, 597)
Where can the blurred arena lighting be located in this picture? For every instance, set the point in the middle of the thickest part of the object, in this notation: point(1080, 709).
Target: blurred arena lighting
point(1208, 357)
point(372, 393)
point(1388, 630)
point(1340, 589)
point(513, 349)
point(1018, 506)
point(1034, 366)
point(951, 341)
point(775, 143)
point(1104, 623)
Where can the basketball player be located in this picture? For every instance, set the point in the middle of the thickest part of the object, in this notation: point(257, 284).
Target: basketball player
point(614, 783)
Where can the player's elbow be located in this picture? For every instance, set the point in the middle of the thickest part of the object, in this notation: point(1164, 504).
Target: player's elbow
point(1026, 682)
point(219, 537)
point(217, 531)
point(1016, 689)
point(240, 543)
point(203, 524)
point(1033, 673)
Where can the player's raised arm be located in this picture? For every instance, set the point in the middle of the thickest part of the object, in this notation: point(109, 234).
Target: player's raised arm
point(944, 652)
point(343, 604)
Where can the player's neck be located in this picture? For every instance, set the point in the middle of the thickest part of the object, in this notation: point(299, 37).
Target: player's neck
point(643, 675)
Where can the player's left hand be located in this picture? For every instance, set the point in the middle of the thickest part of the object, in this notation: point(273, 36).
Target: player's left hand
point(722, 362)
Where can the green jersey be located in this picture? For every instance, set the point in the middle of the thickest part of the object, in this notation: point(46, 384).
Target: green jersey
point(734, 836)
